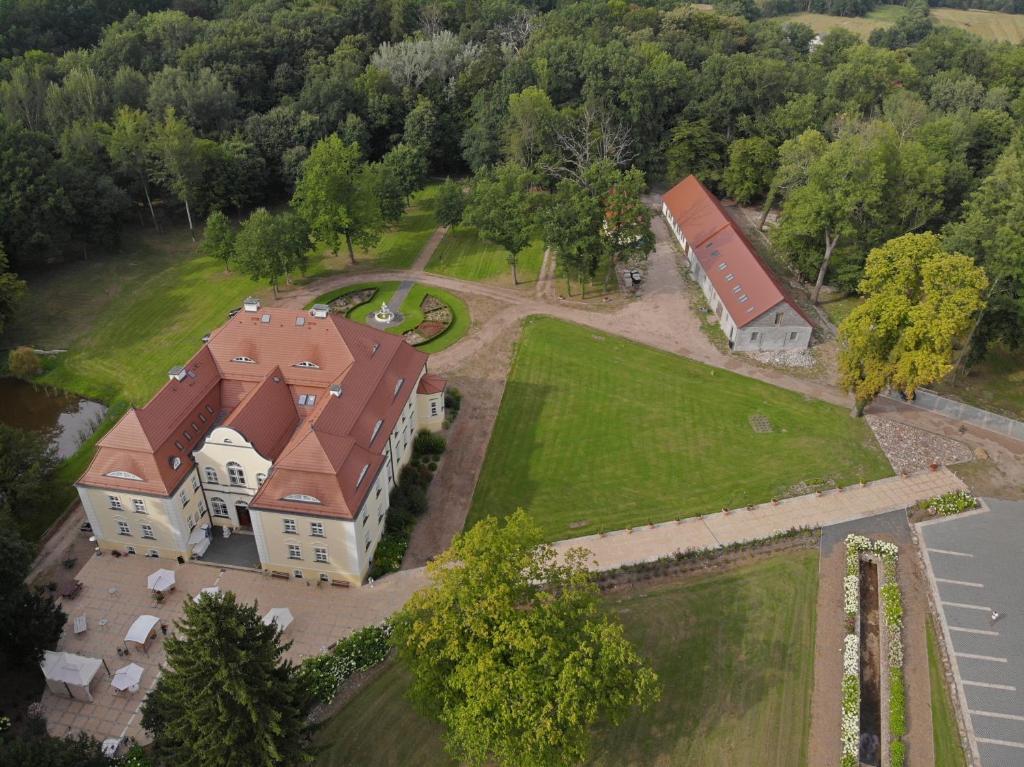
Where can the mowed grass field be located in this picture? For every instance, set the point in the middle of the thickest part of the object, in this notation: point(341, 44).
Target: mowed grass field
point(127, 316)
point(946, 736)
point(734, 653)
point(599, 433)
point(989, 25)
point(467, 256)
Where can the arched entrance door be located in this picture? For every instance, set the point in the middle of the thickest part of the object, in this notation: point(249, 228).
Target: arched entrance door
point(242, 512)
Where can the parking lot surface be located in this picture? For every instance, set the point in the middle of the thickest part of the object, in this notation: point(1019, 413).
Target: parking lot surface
point(976, 566)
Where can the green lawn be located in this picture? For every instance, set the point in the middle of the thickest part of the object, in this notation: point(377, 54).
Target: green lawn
point(463, 254)
point(398, 247)
point(838, 309)
point(995, 383)
point(410, 310)
point(948, 751)
point(596, 432)
point(734, 653)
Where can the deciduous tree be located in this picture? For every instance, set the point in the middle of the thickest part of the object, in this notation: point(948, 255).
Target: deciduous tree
point(270, 246)
point(128, 146)
point(919, 300)
point(749, 173)
point(499, 207)
point(11, 290)
point(30, 622)
point(511, 652)
point(336, 195)
point(178, 159)
point(218, 238)
point(227, 695)
point(450, 203)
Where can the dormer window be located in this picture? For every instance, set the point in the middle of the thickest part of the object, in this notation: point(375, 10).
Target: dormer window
point(306, 364)
point(244, 359)
point(124, 475)
point(307, 400)
point(376, 429)
point(175, 462)
point(398, 386)
point(362, 475)
point(302, 498)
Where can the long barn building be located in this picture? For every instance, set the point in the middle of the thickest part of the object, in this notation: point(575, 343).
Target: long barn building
point(753, 308)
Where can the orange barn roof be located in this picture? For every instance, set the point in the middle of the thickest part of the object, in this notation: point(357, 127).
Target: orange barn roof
point(744, 283)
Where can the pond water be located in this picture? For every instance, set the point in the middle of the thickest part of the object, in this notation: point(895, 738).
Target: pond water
point(39, 408)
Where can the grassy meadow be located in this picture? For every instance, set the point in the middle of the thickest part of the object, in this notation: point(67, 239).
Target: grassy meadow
point(596, 432)
point(465, 255)
point(734, 653)
point(989, 25)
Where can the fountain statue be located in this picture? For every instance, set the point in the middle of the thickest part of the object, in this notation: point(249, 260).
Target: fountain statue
point(384, 315)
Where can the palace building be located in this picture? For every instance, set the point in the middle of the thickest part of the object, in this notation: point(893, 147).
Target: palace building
point(275, 447)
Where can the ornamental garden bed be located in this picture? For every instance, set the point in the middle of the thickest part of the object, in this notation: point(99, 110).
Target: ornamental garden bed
point(346, 302)
point(437, 318)
point(873, 703)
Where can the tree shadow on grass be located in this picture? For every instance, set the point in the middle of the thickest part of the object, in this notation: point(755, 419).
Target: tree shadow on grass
point(727, 661)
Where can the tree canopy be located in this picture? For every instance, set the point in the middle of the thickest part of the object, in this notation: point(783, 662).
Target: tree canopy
point(919, 302)
point(500, 207)
point(270, 246)
point(511, 652)
point(226, 695)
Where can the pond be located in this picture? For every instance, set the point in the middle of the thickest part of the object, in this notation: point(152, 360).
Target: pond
point(39, 408)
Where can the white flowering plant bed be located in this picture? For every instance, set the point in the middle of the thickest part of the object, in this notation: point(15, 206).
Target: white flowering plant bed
point(892, 622)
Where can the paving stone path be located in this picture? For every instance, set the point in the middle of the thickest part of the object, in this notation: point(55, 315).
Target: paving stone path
point(645, 544)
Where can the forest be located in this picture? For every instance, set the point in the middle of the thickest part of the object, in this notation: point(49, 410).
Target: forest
point(130, 113)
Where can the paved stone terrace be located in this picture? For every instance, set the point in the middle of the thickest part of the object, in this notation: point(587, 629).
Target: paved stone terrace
point(322, 616)
point(645, 544)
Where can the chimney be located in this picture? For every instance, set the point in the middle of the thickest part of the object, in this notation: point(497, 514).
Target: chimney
point(251, 304)
point(320, 311)
point(177, 373)
point(335, 390)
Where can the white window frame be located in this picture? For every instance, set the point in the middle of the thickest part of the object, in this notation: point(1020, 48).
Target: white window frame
point(320, 555)
point(150, 534)
point(123, 528)
point(290, 527)
point(376, 429)
point(294, 551)
point(211, 475)
point(195, 481)
point(115, 502)
point(220, 508)
point(236, 474)
point(260, 479)
point(316, 529)
point(138, 505)
point(298, 574)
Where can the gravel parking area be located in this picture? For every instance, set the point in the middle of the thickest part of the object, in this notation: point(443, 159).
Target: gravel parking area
point(973, 563)
point(909, 449)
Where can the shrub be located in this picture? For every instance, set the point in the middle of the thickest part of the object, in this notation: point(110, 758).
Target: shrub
point(135, 757)
point(432, 466)
point(23, 362)
point(953, 503)
point(897, 753)
point(417, 500)
point(428, 443)
point(390, 552)
point(323, 674)
point(897, 704)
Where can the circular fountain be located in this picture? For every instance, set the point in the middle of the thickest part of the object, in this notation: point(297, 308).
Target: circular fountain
point(385, 317)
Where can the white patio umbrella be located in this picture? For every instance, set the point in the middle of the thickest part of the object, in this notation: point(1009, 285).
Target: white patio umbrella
point(142, 630)
point(127, 677)
point(211, 590)
point(161, 580)
point(282, 616)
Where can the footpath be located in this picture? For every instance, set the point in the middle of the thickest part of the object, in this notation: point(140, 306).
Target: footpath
point(646, 544)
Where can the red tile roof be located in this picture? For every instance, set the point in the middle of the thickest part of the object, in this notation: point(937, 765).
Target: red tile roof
point(431, 384)
point(745, 284)
point(318, 451)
